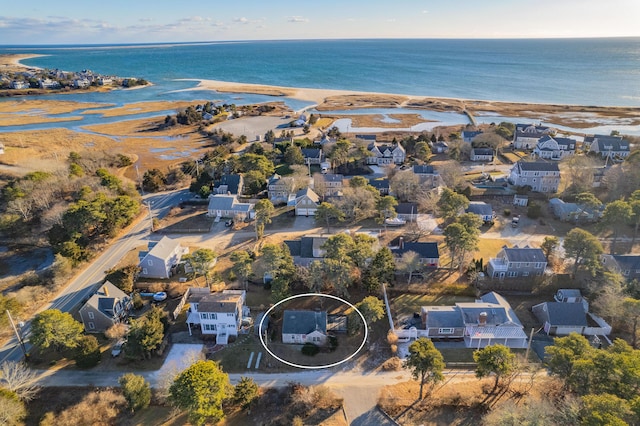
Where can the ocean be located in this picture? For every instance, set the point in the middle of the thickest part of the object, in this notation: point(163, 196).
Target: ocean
point(603, 72)
point(567, 71)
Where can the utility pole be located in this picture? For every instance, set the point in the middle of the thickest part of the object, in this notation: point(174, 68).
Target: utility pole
point(148, 204)
point(18, 336)
point(526, 355)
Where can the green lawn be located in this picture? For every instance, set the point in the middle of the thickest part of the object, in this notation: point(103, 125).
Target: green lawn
point(407, 304)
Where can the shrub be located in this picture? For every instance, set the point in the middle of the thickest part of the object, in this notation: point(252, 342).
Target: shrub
point(392, 364)
point(137, 301)
point(87, 354)
point(534, 211)
point(507, 212)
point(136, 391)
point(333, 343)
point(310, 349)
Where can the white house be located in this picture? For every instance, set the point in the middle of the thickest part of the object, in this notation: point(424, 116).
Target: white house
point(218, 314)
point(19, 84)
point(554, 148)
point(526, 136)
point(306, 202)
point(384, 154)
point(300, 327)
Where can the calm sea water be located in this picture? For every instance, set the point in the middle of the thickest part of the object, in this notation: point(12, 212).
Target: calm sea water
point(567, 71)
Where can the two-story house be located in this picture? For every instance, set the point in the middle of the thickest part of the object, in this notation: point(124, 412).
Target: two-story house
point(312, 155)
point(428, 176)
point(526, 136)
point(486, 321)
point(427, 251)
point(517, 262)
point(613, 147)
point(554, 148)
point(385, 154)
point(218, 314)
point(330, 184)
point(481, 154)
point(541, 176)
point(161, 258)
point(107, 306)
point(469, 135)
point(627, 265)
point(306, 249)
point(306, 202)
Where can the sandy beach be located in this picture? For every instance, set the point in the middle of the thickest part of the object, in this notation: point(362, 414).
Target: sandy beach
point(12, 62)
point(577, 116)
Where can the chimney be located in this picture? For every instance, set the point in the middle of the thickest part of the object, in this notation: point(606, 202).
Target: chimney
point(105, 290)
point(482, 318)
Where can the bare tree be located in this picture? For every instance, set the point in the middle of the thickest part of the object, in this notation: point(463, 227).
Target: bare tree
point(410, 263)
point(405, 185)
point(452, 173)
point(16, 377)
point(116, 331)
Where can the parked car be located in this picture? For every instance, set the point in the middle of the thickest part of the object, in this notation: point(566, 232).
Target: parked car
point(515, 221)
point(159, 296)
point(228, 223)
point(117, 348)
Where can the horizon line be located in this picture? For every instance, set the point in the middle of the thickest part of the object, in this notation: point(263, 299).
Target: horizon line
point(201, 42)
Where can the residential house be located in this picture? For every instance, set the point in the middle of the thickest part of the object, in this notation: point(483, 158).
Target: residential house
point(569, 314)
point(306, 202)
point(539, 175)
point(517, 262)
point(300, 327)
point(468, 136)
point(228, 206)
point(482, 209)
point(105, 81)
point(81, 83)
point(278, 189)
point(628, 265)
point(429, 177)
point(218, 314)
point(407, 211)
point(481, 154)
point(428, 251)
point(554, 148)
point(526, 136)
point(366, 138)
point(20, 84)
point(331, 184)
point(439, 147)
point(312, 155)
point(385, 154)
point(106, 307)
point(520, 200)
point(306, 249)
point(229, 185)
point(381, 184)
point(486, 321)
point(161, 258)
point(48, 84)
point(613, 147)
point(572, 212)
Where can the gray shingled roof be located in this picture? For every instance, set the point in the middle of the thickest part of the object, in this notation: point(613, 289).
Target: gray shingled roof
point(164, 248)
point(423, 169)
point(480, 208)
point(628, 261)
point(482, 151)
point(558, 314)
point(219, 302)
point(311, 152)
point(444, 316)
point(525, 254)
point(407, 208)
point(304, 322)
point(232, 182)
point(426, 250)
point(538, 166)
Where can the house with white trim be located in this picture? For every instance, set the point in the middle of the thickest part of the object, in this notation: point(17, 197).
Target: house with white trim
point(107, 306)
point(554, 148)
point(228, 206)
point(526, 136)
point(218, 314)
point(161, 258)
point(613, 147)
point(541, 176)
point(517, 262)
point(303, 326)
point(385, 154)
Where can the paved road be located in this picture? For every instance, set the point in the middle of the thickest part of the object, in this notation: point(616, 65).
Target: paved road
point(85, 282)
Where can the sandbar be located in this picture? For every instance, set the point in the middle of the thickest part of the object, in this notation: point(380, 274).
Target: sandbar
point(11, 62)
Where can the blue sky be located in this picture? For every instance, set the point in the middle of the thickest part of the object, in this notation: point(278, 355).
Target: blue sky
point(117, 21)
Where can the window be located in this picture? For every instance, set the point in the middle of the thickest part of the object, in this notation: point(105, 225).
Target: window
point(203, 315)
point(446, 331)
point(92, 326)
point(316, 339)
point(213, 316)
point(91, 315)
point(538, 265)
point(626, 273)
point(513, 274)
point(525, 273)
point(149, 262)
point(144, 271)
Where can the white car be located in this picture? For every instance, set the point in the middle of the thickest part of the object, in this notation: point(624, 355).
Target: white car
point(117, 348)
point(159, 296)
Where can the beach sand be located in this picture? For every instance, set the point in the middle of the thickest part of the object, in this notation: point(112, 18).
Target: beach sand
point(12, 62)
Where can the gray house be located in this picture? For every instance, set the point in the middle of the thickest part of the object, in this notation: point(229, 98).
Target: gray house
point(106, 307)
point(299, 327)
point(517, 262)
point(312, 155)
point(572, 212)
point(228, 206)
point(229, 184)
point(161, 258)
point(306, 249)
point(428, 251)
point(481, 154)
point(539, 175)
point(569, 314)
point(628, 265)
point(613, 147)
point(482, 209)
point(484, 322)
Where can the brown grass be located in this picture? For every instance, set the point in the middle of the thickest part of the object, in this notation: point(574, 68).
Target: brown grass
point(143, 107)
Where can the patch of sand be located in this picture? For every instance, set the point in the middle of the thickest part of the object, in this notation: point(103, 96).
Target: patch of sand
point(11, 62)
point(143, 107)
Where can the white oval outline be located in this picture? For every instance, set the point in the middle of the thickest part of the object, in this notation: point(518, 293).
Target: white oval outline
point(313, 367)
